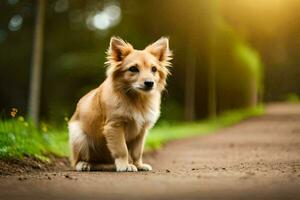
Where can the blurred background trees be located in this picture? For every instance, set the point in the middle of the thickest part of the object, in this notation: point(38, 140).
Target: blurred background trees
point(227, 54)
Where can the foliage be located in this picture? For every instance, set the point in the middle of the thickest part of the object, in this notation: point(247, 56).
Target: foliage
point(292, 98)
point(19, 138)
point(236, 62)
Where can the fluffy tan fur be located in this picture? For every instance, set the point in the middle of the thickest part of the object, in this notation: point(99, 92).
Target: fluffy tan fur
point(110, 124)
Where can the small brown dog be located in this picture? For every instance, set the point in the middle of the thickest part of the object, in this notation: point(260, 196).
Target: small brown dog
point(110, 124)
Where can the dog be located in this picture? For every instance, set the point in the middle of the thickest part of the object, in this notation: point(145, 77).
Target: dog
point(109, 127)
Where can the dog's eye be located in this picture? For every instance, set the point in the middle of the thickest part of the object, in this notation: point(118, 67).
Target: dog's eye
point(153, 69)
point(133, 69)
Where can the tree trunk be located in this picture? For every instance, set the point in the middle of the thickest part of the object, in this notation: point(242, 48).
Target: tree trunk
point(190, 84)
point(212, 100)
point(36, 66)
point(212, 91)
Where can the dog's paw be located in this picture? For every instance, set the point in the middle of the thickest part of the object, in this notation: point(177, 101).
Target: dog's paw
point(83, 166)
point(126, 168)
point(144, 167)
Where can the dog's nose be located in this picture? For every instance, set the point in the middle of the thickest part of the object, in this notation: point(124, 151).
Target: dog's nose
point(149, 84)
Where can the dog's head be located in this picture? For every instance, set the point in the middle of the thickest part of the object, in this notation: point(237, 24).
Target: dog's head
point(139, 71)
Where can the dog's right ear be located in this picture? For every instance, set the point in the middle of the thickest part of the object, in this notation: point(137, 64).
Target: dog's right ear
point(118, 50)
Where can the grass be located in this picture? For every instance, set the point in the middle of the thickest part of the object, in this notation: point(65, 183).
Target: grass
point(19, 138)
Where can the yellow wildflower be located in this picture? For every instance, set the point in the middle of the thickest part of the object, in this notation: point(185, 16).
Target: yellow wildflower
point(13, 112)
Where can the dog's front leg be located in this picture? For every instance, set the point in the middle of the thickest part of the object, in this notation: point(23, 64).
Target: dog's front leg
point(137, 148)
point(116, 143)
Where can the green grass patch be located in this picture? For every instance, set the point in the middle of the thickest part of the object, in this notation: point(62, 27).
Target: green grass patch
point(19, 138)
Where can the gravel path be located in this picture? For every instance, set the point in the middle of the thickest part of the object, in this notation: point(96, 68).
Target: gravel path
point(256, 159)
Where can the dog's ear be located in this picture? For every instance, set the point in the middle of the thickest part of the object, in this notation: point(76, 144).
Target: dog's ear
point(118, 50)
point(160, 49)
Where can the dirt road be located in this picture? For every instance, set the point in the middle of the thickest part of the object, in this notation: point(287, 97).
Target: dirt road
point(256, 159)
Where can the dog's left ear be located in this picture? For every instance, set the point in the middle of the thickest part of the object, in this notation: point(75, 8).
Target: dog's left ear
point(160, 49)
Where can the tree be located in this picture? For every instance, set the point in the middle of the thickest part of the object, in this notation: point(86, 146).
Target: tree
point(36, 67)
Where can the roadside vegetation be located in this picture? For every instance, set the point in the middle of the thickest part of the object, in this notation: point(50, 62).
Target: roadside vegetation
point(292, 98)
point(19, 138)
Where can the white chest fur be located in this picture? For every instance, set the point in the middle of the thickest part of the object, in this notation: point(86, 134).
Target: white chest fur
point(135, 119)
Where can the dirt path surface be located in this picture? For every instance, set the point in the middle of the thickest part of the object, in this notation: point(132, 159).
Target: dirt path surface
point(256, 159)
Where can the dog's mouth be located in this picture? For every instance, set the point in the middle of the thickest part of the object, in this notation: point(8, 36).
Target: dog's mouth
point(144, 89)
